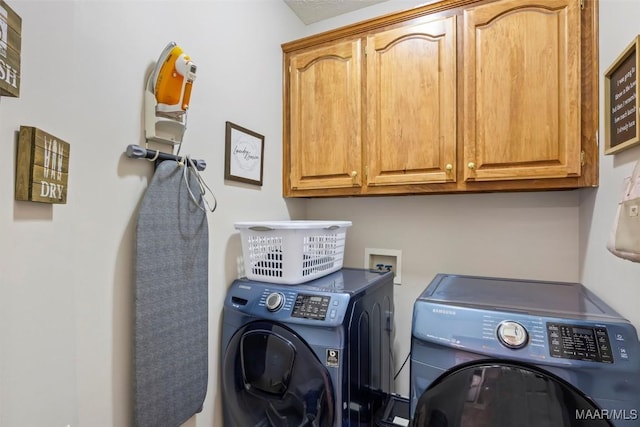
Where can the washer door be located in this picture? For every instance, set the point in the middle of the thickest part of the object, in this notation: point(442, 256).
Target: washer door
point(504, 394)
point(271, 377)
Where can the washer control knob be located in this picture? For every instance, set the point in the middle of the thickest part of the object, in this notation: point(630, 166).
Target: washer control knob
point(512, 334)
point(275, 301)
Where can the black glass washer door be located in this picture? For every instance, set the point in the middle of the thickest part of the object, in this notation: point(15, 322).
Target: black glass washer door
point(504, 394)
point(272, 378)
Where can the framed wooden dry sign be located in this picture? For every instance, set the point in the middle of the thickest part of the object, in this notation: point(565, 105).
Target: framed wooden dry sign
point(244, 155)
point(42, 169)
point(621, 101)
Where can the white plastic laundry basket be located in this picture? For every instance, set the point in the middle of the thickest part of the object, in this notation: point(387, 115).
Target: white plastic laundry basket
point(292, 252)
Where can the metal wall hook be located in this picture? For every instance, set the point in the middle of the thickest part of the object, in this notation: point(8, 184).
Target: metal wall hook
point(137, 152)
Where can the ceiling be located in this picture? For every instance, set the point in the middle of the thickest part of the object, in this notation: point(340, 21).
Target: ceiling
point(310, 11)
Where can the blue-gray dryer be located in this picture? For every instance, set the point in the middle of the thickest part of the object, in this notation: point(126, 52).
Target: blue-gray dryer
point(504, 352)
point(314, 354)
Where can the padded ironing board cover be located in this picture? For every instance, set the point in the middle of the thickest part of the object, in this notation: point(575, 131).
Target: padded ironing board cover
point(171, 301)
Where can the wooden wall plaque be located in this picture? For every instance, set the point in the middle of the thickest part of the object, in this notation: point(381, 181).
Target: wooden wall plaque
point(42, 169)
point(621, 101)
point(10, 45)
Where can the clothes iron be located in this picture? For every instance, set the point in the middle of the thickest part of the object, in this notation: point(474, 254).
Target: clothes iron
point(172, 80)
point(167, 96)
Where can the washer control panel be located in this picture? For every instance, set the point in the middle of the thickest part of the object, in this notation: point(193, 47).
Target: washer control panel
point(310, 306)
point(275, 301)
point(290, 305)
point(568, 341)
point(512, 334)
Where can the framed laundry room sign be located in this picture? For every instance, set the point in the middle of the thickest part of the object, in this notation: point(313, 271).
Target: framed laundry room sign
point(621, 101)
point(244, 155)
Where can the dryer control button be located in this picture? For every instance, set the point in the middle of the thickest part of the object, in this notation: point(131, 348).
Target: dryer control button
point(512, 334)
point(275, 301)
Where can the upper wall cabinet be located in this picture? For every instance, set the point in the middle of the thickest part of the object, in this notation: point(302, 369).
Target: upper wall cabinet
point(325, 117)
point(410, 90)
point(455, 96)
point(522, 90)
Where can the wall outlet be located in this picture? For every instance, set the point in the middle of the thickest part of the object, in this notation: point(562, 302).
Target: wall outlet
point(376, 258)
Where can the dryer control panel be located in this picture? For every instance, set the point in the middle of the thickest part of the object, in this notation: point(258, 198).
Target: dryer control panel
point(550, 340)
point(578, 342)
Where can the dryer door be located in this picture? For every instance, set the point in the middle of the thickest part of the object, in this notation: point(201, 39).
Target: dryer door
point(504, 394)
point(271, 377)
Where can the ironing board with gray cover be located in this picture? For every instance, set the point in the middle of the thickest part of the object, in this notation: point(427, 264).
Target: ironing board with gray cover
point(171, 300)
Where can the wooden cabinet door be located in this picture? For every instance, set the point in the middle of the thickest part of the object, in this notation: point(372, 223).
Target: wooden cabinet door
point(325, 117)
point(522, 90)
point(411, 104)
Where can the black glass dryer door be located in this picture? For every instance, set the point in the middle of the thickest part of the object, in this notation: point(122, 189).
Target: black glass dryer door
point(498, 394)
point(272, 378)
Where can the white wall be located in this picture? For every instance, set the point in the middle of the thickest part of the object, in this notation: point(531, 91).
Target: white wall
point(66, 271)
point(615, 280)
point(521, 235)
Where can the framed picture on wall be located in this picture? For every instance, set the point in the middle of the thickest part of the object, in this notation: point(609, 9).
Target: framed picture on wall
point(621, 101)
point(244, 155)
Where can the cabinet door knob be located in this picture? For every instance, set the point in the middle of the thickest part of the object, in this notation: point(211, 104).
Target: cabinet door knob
point(449, 167)
point(354, 174)
point(471, 165)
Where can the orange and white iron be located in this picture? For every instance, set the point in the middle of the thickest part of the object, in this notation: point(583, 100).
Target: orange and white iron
point(172, 80)
point(167, 96)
